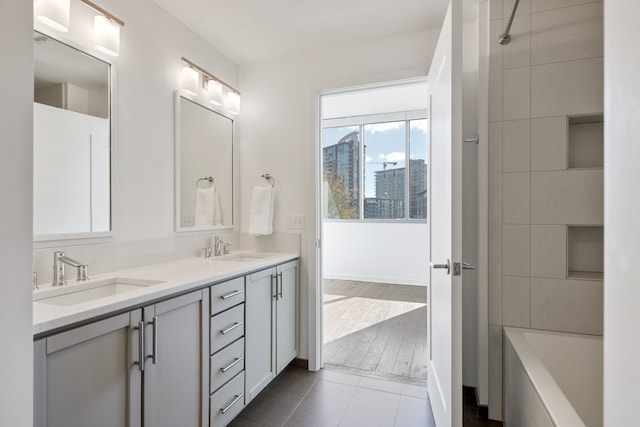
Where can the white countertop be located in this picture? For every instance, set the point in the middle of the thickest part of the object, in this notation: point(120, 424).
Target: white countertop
point(176, 277)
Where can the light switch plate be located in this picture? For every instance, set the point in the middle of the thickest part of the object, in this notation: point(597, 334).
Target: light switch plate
point(295, 221)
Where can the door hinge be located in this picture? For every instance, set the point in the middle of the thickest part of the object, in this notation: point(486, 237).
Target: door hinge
point(318, 244)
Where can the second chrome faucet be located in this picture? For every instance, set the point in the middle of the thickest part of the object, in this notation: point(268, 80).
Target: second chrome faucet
point(60, 261)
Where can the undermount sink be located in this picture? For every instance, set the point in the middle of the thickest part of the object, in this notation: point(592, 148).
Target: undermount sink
point(244, 257)
point(95, 290)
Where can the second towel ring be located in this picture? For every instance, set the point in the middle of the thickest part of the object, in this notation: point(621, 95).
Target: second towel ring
point(207, 178)
point(268, 177)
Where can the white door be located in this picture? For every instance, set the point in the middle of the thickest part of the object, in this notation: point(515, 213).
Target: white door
point(445, 331)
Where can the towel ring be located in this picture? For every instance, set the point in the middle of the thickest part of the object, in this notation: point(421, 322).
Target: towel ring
point(268, 177)
point(207, 178)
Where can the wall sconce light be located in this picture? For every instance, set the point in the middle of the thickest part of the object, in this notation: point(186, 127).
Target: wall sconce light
point(232, 103)
point(190, 80)
point(190, 84)
point(107, 35)
point(214, 88)
point(54, 13)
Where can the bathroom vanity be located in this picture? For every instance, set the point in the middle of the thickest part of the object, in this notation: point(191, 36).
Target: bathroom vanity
point(188, 342)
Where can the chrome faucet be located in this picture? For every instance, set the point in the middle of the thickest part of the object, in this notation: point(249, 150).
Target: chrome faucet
point(220, 247)
point(217, 246)
point(60, 260)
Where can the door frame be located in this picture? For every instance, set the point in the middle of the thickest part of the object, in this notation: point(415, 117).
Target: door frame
point(316, 312)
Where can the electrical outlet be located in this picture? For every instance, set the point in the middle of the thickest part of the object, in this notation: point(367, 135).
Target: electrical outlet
point(295, 222)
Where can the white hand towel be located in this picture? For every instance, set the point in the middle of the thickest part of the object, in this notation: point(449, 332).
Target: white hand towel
point(207, 207)
point(261, 214)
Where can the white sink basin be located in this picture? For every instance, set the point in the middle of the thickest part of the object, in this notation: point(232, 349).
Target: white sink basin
point(244, 257)
point(94, 290)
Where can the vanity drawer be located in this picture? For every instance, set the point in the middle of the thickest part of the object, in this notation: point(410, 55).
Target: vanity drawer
point(227, 402)
point(226, 364)
point(226, 327)
point(226, 295)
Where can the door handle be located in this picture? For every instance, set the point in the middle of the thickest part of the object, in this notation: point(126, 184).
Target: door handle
point(446, 266)
point(280, 280)
point(140, 361)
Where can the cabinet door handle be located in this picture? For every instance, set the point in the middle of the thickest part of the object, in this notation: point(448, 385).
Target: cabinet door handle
point(154, 355)
point(234, 363)
point(237, 398)
point(231, 295)
point(140, 362)
point(275, 293)
point(280, 280)
point(231, 328)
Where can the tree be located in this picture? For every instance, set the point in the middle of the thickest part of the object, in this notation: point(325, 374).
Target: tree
point(340, 200)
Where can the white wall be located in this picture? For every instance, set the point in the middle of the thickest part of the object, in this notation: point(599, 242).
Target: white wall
point(376, 252)
point(16, 106)
point(622, 210)
point(278, 131)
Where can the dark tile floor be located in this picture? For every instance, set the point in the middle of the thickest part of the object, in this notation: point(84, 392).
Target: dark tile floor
point(298, 397)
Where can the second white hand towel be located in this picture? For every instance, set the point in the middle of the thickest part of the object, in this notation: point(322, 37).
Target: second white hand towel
point(261, 214)
point(205, 206)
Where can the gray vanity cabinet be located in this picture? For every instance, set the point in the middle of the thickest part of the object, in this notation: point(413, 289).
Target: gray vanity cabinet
point(271, 325)
point(92, 376)
point(177, 342)
point(87, 376)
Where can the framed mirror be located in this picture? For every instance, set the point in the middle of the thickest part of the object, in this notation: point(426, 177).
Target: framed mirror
point(71, 142)
point(204, 164)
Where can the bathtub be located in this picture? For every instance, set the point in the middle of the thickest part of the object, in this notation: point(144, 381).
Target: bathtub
point(551, 379)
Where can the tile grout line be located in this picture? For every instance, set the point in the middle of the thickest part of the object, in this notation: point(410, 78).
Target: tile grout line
point(300, 402)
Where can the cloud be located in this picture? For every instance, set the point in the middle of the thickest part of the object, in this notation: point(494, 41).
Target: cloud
point(420, 125)
point(368, 159)
point(392, 157)
point(384, 127)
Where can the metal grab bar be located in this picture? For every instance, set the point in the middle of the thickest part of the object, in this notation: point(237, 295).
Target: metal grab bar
point(505, 37)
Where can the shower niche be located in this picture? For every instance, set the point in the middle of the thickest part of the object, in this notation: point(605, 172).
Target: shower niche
point(585, 252)
point(586, 141)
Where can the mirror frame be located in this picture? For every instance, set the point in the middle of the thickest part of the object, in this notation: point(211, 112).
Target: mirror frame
point(40, 240)
point(235, 201)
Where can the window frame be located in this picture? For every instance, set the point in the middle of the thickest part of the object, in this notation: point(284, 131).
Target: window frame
point(371, 119)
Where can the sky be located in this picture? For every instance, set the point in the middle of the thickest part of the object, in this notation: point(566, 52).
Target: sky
point(384, 142)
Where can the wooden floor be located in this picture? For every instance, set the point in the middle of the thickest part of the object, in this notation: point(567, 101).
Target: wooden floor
point(376, 330)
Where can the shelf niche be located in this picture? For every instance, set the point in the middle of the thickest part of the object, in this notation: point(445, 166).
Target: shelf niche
point(586, 141)
point(585, 252)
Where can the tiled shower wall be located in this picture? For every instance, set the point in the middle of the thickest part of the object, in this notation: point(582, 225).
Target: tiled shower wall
point(545, 172)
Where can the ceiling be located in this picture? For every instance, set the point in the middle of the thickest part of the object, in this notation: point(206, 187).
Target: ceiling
point(254, 30)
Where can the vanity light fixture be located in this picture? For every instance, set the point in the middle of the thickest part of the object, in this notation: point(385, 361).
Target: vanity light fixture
point(213, 85)
point(190, 80)
point(106, 27)
point(214, 88)
point(107, 35)
point(106, 30)
point(54, 13)
point(232, 103)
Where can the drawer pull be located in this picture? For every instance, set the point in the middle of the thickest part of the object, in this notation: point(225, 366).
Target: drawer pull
point(231, 295)
point(237, 398)
point(234, 363)
point(231, 328)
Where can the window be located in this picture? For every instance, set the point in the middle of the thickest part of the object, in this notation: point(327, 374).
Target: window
point(375, 167)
